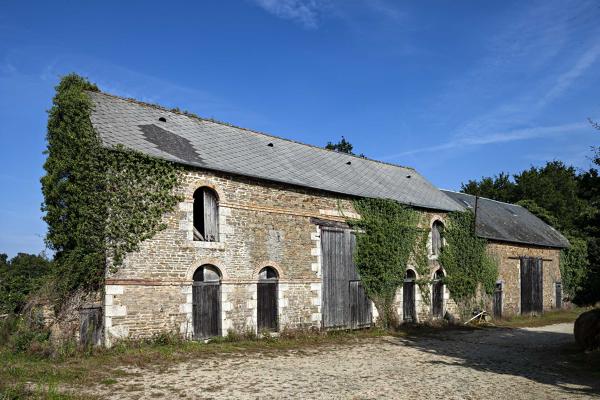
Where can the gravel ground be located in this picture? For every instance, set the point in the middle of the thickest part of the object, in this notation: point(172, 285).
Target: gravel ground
point(493, 363)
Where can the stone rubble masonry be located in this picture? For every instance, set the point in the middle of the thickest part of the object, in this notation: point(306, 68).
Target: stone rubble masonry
point(261, 224)
point(509, 273)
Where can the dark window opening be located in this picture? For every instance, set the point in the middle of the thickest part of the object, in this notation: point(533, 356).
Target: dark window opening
point(206, 215)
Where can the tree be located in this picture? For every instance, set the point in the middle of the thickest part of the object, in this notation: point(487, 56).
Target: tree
point(19, 277)
point(498, 187)
point(343, 146)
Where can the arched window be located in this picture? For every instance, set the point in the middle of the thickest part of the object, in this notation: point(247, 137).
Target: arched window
point(436, 237)
point(206, 215)
point(206, 302)
point(267, 300)
point(408, 297)
point(437, 296)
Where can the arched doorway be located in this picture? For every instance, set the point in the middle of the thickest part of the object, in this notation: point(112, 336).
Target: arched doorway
point(206, 302)
point(267, 305)
point(437, 295)
point(408, 297)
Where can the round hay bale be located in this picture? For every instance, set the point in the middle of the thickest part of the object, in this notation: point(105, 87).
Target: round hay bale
point(587, 330)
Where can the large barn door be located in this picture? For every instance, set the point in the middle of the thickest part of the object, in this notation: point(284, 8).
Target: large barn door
point(206, 302)
point(532, 285)
point(345, 303)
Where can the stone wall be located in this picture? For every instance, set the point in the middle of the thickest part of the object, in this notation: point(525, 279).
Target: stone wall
point(509, 271)
point(260, 224)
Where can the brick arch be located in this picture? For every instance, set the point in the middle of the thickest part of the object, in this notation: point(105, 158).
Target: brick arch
point(434, 218)
point(271, 264)
point(198, 183)
point(413, 270)
point(189, 275)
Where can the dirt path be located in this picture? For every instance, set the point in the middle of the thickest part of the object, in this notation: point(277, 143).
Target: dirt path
point(497, 363)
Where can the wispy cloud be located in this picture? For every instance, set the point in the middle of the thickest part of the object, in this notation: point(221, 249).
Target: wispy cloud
point(309, 13)
point(526, 69)
point(565, 80)
point(498, 137)
point(304, 12)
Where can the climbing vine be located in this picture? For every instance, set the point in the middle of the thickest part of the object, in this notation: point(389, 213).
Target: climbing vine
point(386, 238)
point(100, 203)
point(468, 266)
point(574, 266)
point(421, 262)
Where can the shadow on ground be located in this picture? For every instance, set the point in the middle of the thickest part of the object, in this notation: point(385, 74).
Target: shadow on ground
point(545, 355)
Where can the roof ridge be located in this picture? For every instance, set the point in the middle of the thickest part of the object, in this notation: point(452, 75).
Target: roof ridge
point(483, 197)
point(192, 115)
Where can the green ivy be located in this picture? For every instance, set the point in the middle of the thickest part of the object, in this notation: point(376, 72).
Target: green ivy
point(386, 237)
point(421, 261)
point(465, 259)
point(99, 203)
point(574, 266)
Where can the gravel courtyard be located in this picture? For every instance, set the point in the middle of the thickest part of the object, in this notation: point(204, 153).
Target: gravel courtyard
point(495, 363)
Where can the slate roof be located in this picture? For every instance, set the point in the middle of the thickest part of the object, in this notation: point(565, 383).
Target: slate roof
point(509, 222)
point(220, 147)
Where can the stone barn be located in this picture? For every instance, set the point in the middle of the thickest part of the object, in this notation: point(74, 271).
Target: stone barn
point(259, 242)
point(528, 254)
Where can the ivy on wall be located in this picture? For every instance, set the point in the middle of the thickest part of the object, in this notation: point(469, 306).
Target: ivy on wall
point(574, 264)
point(99, 203)
point(467, 264)
point(386, 238)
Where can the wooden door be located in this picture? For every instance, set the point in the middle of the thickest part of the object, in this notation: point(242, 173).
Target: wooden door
point(437, 296)
point(408, 299)
point(558, 294)
point(360, 306)
point(532, 285)
point(343, 301)
point(206, 309)
point(211, 216)
point(267, 313)
point(497, 301)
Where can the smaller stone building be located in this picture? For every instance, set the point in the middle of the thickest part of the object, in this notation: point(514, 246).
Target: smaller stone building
point(528, 254)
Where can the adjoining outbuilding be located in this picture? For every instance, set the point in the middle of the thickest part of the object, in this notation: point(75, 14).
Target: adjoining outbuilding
point(528, 254)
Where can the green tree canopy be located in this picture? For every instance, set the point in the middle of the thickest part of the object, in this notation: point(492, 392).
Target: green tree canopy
point(19, 277)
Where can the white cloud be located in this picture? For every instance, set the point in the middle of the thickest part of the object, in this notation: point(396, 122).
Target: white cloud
point(304, 12)
point(499, 137)
point(565, 80)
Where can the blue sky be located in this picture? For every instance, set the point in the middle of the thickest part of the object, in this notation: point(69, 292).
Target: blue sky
point(457, 90)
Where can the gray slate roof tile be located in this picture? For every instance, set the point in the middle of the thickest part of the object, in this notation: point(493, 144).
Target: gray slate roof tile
point(220, 147)
point(509, 222)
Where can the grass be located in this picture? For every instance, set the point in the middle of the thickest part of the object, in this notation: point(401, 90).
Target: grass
point(547, 318)
point(29, 376)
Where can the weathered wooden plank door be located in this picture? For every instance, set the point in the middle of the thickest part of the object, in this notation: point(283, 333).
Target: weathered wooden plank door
point(90, 326)
point(211, 216)
point(558, 293)
point(497, 301)
point(267, 306)
point(408, 298)
point(345, 304)
point(206, 309)
point(437, 295)
point(360, 306)
point(532, 285)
